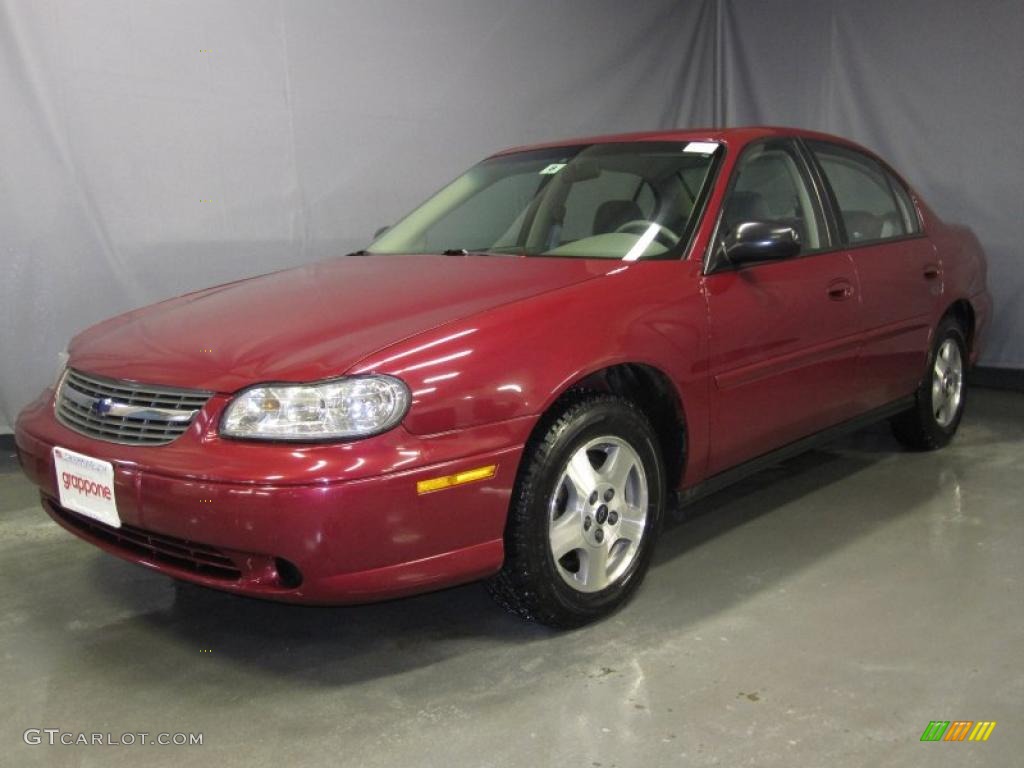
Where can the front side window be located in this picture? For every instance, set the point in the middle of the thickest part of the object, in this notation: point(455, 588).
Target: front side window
point(769, 186)
point(636, 200)
point(868, 201)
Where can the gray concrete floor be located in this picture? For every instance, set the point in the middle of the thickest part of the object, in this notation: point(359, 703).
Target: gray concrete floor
point(821, 613)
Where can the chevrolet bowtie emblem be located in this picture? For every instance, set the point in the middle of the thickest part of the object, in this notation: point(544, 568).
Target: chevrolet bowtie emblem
point(102, 407)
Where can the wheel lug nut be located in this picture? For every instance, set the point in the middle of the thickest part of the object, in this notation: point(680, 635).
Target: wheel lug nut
point(609, 494)
point(599, 535)
point(593, 497)
point(586, 524)
point(602, 514)
point(613, 518)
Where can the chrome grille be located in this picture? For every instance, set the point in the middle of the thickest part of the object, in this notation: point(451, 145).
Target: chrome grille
point(126, 412)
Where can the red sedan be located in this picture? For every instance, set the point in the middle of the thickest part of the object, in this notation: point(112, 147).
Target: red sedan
point(518, 378)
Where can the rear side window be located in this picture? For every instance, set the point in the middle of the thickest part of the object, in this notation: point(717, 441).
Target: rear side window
point(907, 208)
point(873, 206)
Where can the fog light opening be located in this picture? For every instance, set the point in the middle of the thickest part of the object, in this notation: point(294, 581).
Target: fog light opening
point(288, 574)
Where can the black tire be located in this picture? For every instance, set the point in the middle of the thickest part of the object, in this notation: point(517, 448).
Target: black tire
point(531, 583)
point(919, 428)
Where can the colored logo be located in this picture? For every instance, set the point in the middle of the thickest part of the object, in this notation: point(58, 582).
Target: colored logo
point(958, 730)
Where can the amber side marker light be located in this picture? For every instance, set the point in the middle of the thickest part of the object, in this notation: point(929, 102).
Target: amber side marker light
point(461, 478)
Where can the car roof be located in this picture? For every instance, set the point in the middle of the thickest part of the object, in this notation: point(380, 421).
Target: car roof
point(737, 137)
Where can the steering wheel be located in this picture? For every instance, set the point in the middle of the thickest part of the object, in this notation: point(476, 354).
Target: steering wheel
point(664, 235)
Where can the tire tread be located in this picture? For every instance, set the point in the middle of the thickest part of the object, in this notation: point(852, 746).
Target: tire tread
point(916, 427)
point(517, 587)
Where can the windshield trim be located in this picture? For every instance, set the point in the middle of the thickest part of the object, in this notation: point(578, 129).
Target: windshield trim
point(703, 199)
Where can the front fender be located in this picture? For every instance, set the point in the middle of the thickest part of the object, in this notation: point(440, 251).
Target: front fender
point(517, 359)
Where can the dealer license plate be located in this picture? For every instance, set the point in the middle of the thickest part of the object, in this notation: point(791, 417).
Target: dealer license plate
point(86, 486)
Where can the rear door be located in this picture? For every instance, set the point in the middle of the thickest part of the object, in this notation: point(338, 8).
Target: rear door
point(784, 335)
point(900, 275)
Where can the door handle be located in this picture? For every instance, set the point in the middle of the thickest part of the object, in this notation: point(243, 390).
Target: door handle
point(931, 271)
point(840, 289)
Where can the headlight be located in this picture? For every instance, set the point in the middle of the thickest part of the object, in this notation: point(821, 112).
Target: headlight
point(358, 406)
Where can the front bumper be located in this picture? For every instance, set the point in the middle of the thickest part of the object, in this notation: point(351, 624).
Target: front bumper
point(330, 523)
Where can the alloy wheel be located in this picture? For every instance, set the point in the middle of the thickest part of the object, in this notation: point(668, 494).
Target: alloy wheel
point(947, 383)
point(598, 514)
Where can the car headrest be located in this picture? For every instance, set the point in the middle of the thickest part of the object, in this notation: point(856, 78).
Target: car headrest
point(612, 214)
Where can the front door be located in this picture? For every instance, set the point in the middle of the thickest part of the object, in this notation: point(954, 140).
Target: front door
point(784, 335)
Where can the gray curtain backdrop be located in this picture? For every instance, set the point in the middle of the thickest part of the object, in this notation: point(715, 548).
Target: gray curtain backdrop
point(934, 86)
point(152, 148)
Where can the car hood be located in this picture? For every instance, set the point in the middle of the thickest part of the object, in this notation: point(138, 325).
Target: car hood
point(311, 322)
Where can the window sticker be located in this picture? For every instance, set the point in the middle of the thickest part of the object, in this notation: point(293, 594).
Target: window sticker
point(551, 169)
point(701, 147)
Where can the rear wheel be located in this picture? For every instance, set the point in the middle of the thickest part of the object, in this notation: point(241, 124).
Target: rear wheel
point(585, 512)
point(939, 401)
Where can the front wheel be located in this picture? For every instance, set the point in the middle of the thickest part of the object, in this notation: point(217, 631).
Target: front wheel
point(939, 401)
point(585, 513)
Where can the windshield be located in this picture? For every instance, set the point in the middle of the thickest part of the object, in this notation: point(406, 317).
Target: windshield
point(629, 201)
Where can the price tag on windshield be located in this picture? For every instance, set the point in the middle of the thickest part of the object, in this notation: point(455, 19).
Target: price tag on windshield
point(553, 168)
point(701, 148)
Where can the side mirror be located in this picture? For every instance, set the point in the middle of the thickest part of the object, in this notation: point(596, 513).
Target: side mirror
point(754, 241)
